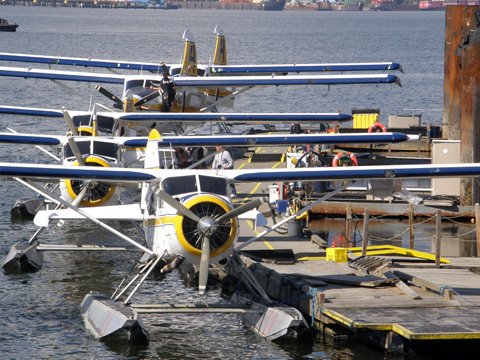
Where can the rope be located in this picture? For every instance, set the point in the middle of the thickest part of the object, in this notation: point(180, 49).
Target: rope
point(314, 304)
point(442, 290)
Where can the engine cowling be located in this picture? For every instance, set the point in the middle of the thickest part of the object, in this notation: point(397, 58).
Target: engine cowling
point(187, 234)
point(98, 192)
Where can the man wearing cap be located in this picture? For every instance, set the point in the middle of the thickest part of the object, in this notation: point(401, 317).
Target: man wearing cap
point(168, 92)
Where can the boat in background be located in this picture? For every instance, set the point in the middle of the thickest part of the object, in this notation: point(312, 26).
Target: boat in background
point(348, 5)
point(442, 5)
point(393, 5)
point(5, 26)
point(272, 5)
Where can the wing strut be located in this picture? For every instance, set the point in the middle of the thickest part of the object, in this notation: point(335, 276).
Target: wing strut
point(335, 192)
point(226, 98)
point(57, 200)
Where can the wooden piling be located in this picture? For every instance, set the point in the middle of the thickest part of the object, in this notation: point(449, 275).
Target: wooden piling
point(365, 232)
point(438, 238)
point(410, 223)
point(477, 225)
point(348, 224)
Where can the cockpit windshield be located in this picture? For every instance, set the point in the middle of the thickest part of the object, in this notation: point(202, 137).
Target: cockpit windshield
point(180, 185)
point(99, 148)
point(213, 185)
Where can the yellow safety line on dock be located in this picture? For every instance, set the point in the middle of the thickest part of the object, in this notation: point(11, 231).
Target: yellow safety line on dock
point(312, 258)
point(256, 232)
point(241, 166)
point(390, 249)
point(401, 330)
point(251, 192)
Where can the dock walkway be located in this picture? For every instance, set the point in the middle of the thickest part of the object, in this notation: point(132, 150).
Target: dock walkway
point(420, 308)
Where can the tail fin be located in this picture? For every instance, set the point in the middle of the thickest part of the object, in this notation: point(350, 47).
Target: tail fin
point(189, 66)
point(220, 57)
point(153, 157)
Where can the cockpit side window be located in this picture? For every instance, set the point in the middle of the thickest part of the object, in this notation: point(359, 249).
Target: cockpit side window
point(180, 185)
point(105, 149)
point(213, 185)
point(175, 71)
point(133, 84)
point(83, 146)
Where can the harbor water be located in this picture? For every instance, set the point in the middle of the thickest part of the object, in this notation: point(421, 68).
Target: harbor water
point(40, 312)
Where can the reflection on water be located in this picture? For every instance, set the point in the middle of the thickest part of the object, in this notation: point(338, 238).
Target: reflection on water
point(458, 238)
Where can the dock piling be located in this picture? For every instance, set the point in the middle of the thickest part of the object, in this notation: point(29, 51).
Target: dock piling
point(477, 225)
point(410, 222)
point(348, 223)
point(438, 238)
point(365, 232)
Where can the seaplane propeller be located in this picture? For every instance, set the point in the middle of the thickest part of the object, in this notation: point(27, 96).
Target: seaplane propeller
point(91, 193)
point(208, 228)
point(117, 102)
point(148, 98)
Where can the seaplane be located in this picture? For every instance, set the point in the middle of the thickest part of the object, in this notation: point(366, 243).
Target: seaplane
point(119, 152)
point(188, 216)
point(198, 89)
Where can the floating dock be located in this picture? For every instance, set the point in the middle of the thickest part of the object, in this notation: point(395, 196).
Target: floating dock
point(395, 299)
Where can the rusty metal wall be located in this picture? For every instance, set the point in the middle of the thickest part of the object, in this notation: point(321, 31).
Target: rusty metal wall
point(462, 88)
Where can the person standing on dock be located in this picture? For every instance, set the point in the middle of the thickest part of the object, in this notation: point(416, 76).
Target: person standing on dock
point(223, 160)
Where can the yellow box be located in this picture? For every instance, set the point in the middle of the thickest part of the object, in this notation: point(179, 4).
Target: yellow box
point(364, 121)
point(337, 254)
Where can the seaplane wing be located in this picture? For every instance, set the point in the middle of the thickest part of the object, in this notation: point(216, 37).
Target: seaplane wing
point(253, 81)
point(28, 73)
point(125, 176)
point(300, 68)
point(247, 118)
point(26, 111)
point(208, 82)
point(83, 62)
point(214, 69)
point(225, 140)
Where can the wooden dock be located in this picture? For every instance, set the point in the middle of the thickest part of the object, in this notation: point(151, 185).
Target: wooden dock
point(404, 305)
point(399, 306)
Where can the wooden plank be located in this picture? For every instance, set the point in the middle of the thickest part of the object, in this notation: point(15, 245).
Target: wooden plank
point(402, 286)
point(354, 280)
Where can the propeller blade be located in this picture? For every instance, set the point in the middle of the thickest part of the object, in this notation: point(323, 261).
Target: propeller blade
point(175, 204)
point(69, 121)
point(109, 95)
point(147, 98)
point(76, 151)
point(77, 201)
point(240, 210)
point(204, 264)
point(164, 68)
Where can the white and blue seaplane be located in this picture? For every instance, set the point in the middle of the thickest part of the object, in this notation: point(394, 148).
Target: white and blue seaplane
point(188, 215)
point(119, 152)
point(197, 89)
